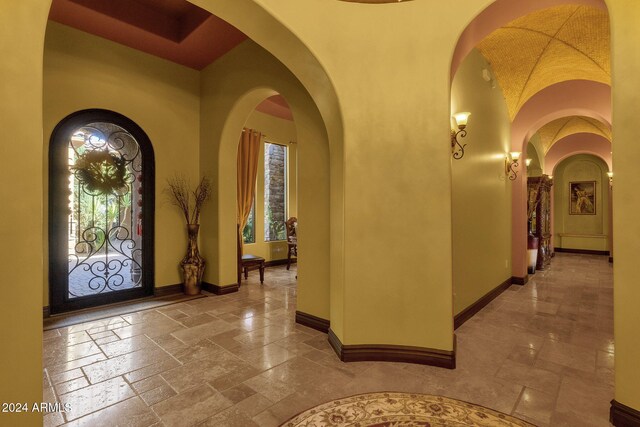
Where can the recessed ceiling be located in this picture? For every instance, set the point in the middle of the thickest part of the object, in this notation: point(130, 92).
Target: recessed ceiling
point(171, 29)
point(558, 129)
point(557, 44)
point(276, 106)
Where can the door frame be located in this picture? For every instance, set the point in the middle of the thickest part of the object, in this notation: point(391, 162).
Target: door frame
point(59, 300)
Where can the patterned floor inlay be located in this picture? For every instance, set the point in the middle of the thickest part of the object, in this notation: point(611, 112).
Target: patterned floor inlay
point(402, 409)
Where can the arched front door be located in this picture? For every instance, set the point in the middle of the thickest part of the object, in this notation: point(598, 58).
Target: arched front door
point(101, 204)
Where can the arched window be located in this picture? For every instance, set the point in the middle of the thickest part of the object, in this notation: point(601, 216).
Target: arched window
point(101, 204)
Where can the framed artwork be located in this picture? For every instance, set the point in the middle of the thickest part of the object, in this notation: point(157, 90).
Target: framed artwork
point(582, 198)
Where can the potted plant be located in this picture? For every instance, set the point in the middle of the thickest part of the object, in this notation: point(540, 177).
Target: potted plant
point(180, 195)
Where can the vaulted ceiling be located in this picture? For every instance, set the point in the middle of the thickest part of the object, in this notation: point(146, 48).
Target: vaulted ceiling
point(558, 129)
point(569, 42)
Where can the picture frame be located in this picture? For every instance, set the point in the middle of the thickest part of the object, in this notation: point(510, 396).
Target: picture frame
point(582, 198)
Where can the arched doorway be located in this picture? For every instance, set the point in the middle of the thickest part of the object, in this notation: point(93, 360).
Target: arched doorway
point(101, 205)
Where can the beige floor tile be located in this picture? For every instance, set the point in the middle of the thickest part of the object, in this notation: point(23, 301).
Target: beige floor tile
point(62, 368)
point(157, 394)
point(129, 413)
point(238, 393)
point(148, 371)
point(531, 377)
point(568, 355)
point(126, 345)
point(53, 419)
point(191, 407)
point(151, 329)
point(267, 357)
point(273, 389)
point(124, 364)
point(55, 355)
point(199, 319)
point(203, 349)
point(542, 352)
point(193, 374)
point(536, 405)
point(96, 397)
point(200, 332)
point(69, 386)
point(230, 418)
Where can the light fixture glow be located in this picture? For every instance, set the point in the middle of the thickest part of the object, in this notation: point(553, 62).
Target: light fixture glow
point(528, 162)
point(510, 165)
point(460, 120)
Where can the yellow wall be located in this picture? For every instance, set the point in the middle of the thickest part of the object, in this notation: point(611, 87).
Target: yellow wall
point(22, 26)
point(625, 66)
point(83, 71)
point(589, 232)
point(481, 195)
point(283, 132)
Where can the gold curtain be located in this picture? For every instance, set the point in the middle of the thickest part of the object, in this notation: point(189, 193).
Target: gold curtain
point(248, 152)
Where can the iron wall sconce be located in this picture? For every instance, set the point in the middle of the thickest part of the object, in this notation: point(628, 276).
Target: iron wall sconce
point(610, 175)
point(510, 165)
point(460, 120)
point(528, 162)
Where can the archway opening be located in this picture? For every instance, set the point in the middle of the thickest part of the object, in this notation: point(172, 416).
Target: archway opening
point(101, 203)
point(267, 189)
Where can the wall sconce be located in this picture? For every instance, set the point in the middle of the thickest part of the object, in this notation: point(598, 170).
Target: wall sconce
point(457, 149)
point(510, 165)
point(528, 162)
point(610, 175)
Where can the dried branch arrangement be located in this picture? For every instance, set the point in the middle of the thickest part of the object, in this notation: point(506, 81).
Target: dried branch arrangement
point(180, 195)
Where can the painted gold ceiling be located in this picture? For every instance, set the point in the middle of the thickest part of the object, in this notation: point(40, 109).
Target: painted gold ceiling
point(554, 131)
point(557, 44)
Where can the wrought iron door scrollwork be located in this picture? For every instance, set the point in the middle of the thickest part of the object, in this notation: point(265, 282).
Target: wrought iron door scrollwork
point(105, 250)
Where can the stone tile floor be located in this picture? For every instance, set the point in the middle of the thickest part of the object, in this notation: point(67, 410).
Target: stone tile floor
point(542, 352)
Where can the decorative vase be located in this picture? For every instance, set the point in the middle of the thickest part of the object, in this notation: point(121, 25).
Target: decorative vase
point(532, 250)
point(192, 264)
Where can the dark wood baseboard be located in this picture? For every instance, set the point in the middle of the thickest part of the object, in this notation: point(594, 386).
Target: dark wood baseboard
point(168, 290)
point(313, 322)
point(623, 416)
point(611, 259)
point(393, 353)
point(519, 280)
point(581, 251)
point(46, 312)
point(220, 290)
point(276, 262)
point(474, 308)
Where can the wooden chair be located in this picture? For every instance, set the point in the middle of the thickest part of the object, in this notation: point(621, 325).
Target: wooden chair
point(250, 261)
point(245, 262)
point(292, 238)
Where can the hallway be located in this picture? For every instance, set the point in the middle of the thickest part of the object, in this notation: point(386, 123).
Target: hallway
point(542, 352)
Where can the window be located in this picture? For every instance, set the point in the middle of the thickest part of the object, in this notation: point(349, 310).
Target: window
point(275, 191)
point(249, 232)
